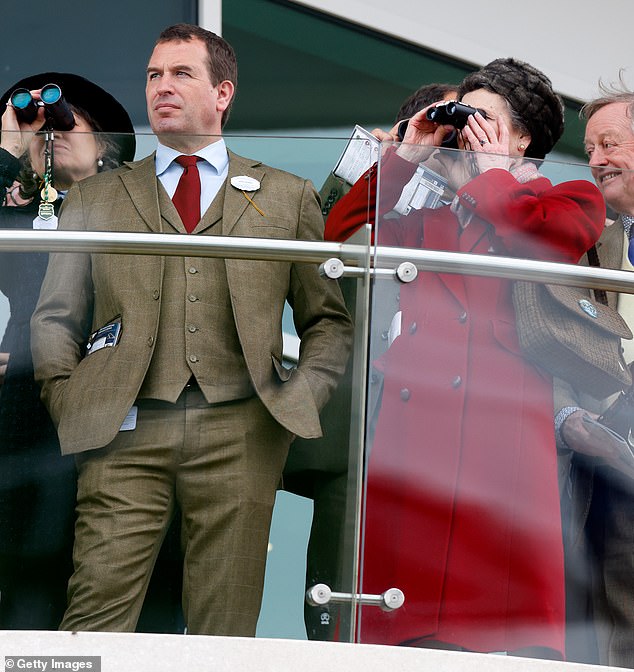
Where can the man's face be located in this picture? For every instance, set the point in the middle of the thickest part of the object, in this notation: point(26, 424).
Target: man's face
point(180, 96)
point(609, 144)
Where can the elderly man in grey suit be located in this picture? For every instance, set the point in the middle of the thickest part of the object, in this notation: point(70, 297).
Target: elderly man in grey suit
point(597, 498)
point(164, 374)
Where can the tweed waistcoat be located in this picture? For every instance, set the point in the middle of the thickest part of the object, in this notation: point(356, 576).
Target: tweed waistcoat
point(197, 334)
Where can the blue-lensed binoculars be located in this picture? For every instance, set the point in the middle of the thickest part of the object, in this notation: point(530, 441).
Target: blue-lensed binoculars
point(57, 112)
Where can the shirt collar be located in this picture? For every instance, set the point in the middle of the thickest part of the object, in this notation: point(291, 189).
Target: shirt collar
point(215, 154)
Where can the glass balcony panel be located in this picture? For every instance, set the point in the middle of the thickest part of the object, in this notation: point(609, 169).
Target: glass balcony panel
point(465, 501)
point(465, 484)
point(315, 526)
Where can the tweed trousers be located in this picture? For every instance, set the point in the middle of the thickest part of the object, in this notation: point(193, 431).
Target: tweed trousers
point(222, 463)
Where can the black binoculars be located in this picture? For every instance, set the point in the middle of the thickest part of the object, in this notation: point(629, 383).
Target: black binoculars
point(448, 114)
point(57, 112)
point(452, 114)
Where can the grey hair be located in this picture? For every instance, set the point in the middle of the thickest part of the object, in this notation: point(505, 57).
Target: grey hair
point(615, 92)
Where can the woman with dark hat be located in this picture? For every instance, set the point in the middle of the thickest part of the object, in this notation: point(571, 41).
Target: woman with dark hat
point(462, 508)
point(38, 484)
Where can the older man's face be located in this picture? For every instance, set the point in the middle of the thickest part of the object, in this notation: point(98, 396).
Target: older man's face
point(609, 144)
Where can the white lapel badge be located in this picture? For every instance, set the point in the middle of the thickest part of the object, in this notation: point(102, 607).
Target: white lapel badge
point(245, 183)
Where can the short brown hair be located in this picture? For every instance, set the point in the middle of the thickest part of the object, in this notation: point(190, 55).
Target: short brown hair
point(221, 57)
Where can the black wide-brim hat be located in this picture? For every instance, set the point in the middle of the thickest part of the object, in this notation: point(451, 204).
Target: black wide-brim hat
point(105, 109)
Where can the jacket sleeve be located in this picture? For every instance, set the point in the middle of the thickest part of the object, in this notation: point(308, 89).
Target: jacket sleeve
point(359, 205)
point(61, 322)
point(535, 219)
point(321, 319)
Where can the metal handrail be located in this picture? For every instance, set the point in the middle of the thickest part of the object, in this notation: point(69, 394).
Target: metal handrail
point(234, 247)
point(266, 249)
point(506, 267)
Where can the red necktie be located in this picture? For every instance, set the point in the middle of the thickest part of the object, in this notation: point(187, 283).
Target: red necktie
point(187, 195)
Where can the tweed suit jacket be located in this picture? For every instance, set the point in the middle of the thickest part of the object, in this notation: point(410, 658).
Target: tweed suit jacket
point(89, 397)
point(610, 251)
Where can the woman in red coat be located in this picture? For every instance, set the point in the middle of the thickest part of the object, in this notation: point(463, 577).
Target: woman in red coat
point(462, 504)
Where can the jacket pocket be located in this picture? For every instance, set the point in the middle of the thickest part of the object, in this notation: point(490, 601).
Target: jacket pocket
point(283, 373)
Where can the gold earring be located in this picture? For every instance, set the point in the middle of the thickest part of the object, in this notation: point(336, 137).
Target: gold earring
point(521, 147)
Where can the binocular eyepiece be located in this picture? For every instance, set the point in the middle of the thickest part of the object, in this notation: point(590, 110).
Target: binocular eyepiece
point(57, 111)
point(452, 114)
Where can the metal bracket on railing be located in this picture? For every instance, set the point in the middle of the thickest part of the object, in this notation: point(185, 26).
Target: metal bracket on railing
point(332, 268)
point(320, 594)
point(406, 272)
point(335, 268)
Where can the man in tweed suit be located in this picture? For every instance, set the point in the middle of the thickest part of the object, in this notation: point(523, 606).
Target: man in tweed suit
point(194, 373)
point(597, 497)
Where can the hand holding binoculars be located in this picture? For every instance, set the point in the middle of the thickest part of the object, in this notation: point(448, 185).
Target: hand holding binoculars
point(448, 114)
point(57, 111)
point(452, 114)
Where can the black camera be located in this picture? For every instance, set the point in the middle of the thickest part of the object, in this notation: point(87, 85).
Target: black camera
point(452, 114)
point(57, 111)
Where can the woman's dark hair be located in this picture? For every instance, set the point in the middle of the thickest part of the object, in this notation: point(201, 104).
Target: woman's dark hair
point(535, 108)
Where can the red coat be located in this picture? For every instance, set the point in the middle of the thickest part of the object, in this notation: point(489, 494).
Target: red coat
point(462, 503)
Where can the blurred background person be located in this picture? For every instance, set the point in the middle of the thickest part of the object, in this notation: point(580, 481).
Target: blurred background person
point(37, 483)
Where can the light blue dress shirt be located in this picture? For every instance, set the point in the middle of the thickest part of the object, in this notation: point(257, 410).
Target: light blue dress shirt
point(213, 170)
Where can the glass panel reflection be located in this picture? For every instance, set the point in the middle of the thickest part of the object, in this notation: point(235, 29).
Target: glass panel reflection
point(76, 349)
point(462, 508)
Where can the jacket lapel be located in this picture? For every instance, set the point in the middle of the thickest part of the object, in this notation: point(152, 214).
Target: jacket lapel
point(213, 213)
point(610, 251)
point(229, 204)
point(136, 180)
point(610, 245)
point(235, 202)
point(169, 213)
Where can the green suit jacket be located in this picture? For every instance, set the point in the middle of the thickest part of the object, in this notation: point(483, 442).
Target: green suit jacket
point(89, 397)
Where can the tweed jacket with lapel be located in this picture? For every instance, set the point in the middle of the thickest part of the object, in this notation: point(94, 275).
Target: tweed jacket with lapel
point(89, 397)
point(610, 251)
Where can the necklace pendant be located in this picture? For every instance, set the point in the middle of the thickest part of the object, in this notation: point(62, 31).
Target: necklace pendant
point(49, 194)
